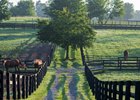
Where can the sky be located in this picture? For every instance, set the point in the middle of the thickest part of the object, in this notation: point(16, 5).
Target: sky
point(135, 2)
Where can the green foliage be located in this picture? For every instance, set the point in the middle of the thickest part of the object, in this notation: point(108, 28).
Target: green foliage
point(128, 10)
point(105, 9)
point(4, 12)
point(70, 25)
point(39, 9)
point(73, 6)
point(23, 8)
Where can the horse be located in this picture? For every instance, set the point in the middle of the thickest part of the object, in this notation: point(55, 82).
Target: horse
point(13, 63)
point(37, 63)
point(125, 55)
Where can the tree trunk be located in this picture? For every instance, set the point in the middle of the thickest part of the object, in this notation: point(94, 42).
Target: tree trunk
point(67, 52)
point(82, 55)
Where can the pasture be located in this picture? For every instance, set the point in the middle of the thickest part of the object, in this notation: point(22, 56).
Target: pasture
point(65, 79)
point(23, 19)
point(123, 75)
point(112, 43)
point(15, 41)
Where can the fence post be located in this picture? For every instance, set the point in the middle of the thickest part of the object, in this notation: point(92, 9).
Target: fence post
point(137, 90)
point(37, 79)
point(27, 85)
point(7, 86)
point(121, 90)
point(96, 89)
point(23, 87)
point(18, 86)
point(110, 90)
point(14, 85)
point(114, 90)
point(128, 94)
point(30, 85)
point(32, 78)
point(1, 85)
point(106, 90)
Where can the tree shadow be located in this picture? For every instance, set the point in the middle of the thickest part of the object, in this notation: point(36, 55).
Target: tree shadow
point(73, 87)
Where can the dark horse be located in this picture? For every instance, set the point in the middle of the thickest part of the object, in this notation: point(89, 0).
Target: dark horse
point(125, 55)
point(13, 63)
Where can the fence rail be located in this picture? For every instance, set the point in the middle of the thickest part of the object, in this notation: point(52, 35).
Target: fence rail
point(116, 63)
point(20, 86)
point(112, 25)
point(109, 90)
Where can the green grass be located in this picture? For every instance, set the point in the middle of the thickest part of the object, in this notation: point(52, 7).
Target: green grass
point(112, 43)
point(13, 41)
point(26, 19)
point(45, 85)
point(123, 75)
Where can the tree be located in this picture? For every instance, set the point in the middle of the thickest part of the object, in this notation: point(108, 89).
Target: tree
point(23, 8)
point(69, 27)
point(104, 9)
point(39, 9)
point(4, 12)
point(72, 5)
point(128, 11)
point(137, 15)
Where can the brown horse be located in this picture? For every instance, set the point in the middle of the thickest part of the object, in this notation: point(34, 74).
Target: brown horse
point(13, 63)
point(38, 63)
point(125, 55)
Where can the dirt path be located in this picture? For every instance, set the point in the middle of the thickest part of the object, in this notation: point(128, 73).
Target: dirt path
point(69, 83)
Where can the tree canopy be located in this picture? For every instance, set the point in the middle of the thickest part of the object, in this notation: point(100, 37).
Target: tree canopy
point(104, 9)
point(40, 9)
point(4, 12)
point(23, 8)
point(69, 26)
point(128, 11)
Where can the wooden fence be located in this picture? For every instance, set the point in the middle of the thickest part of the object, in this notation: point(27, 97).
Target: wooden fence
point(116, 63)
point(112, 90)
point(111, 25)
point(19, 25)
point(20, 86)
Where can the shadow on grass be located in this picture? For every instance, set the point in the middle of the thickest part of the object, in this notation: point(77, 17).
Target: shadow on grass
point(13, 37)
point(85, 87)
point(76, 64)
point(73, 87)
point(50, 94)
point(61, 85)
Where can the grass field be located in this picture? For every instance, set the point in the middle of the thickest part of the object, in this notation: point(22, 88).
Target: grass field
point(26, 19)
point(108, 43)
point(112, 43)
point(123, 75)
point(13, 41)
